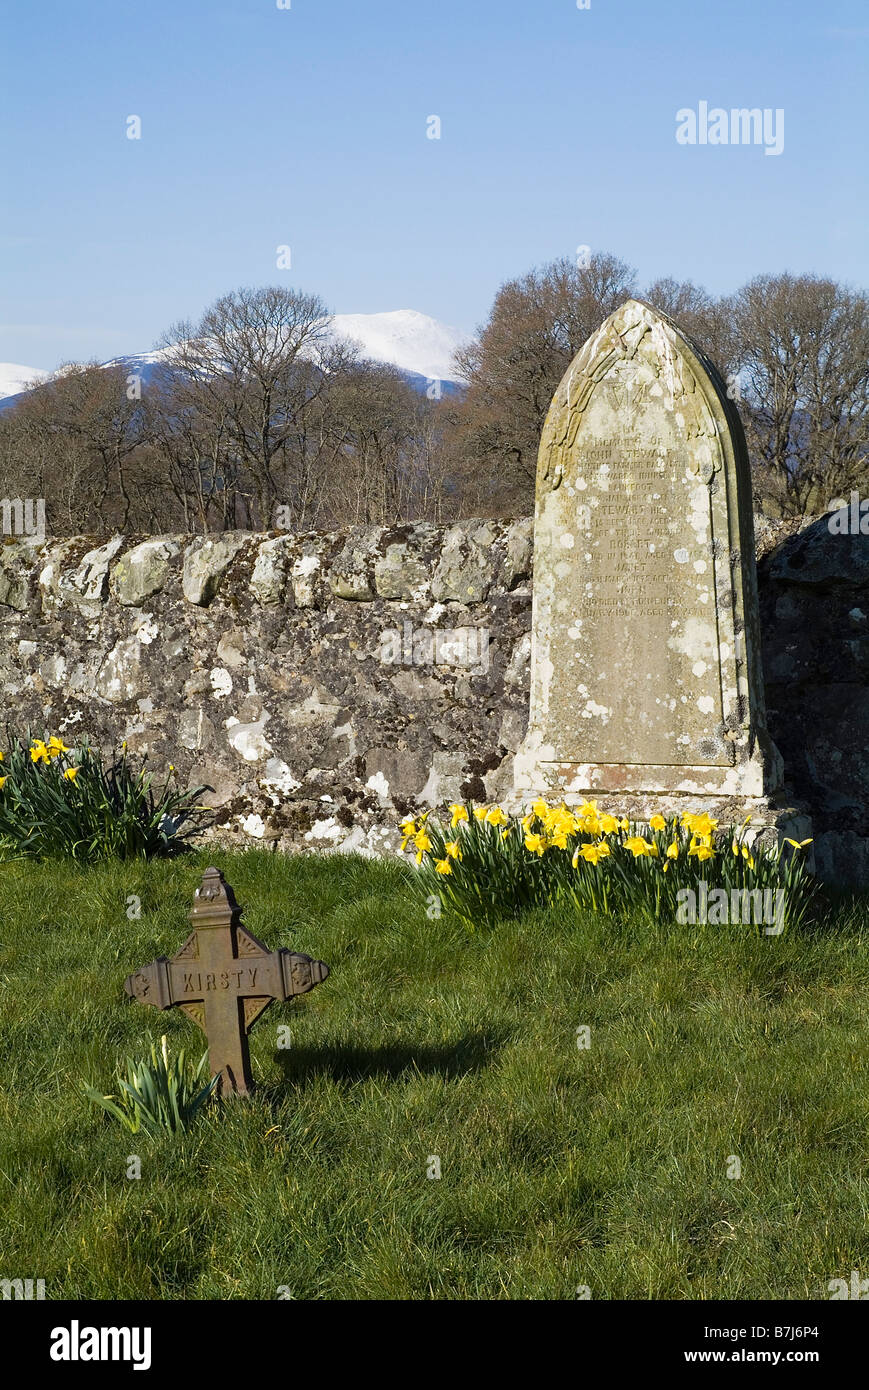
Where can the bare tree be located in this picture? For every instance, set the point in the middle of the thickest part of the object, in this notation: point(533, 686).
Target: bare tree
point(74, 439)
point(803, 361)
point(537, 325)
point(252, 369)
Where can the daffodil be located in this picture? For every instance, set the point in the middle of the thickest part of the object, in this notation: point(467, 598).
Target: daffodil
point(641, 848)
point(700, 825)
point(443, 866)
point(458, 813)
point(609, 825)
point(71, 774)
point(408, 828)
point(701, 852)
point(481, 812)
point(594, 853)
point(588, 818)
point(624, 823)
point(422, 841)
point(658, 823)
point(535, 843)
point(495, 816)
point(673, 850)
point(2, 756)
point(39, 752)
point(452, 849)
point(2, 782)
point(539, 807)
point(797, 844)
point(747, 855)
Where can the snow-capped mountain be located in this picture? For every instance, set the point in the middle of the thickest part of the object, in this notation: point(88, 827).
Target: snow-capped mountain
point(406, 339)
point(14, 378)
point(419, 346)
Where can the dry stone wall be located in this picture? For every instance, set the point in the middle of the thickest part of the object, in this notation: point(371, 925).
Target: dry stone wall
point(325, 685)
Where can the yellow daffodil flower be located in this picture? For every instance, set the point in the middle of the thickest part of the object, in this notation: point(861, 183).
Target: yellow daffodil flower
point(700, 825)
point(640, 847)
point(452, 849)
point(496, 816)
point(408, 828)
point(594, 853)
point(2, 782)
point(701, 852)
point(658, 823)
point(443, 866)
point(422, 841)
point(71, 774)
point(535, 843)
point(481, 812)
point(673, 850)
point(458, 813)
point(798, 844)
point(746, 854)
point(539, 807)
point(609, 825)
point(39, 752)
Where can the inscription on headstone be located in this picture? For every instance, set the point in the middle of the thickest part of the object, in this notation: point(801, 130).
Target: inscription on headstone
point(224, 978)
point(646, 670)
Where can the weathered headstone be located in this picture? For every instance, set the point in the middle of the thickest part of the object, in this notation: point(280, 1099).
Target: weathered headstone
point(224, 978)
point(646, 679)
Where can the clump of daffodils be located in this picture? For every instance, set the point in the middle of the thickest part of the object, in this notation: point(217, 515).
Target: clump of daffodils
point(483, 863)
point(67, 802)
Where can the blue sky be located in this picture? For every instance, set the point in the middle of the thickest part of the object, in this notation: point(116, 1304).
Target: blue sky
point(306, 127)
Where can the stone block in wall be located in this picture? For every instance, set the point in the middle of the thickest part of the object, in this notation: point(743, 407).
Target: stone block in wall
point(519, 556)
point(406, 563)
point(72, 579)
point(307, 573)
point(467, 569)
point(268, 582)
point(16, 577)
point(142, 571)
point(815, 556)
point(205, 564)
point(351, 574)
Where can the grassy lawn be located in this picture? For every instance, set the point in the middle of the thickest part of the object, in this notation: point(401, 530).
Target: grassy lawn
point(561, 1167)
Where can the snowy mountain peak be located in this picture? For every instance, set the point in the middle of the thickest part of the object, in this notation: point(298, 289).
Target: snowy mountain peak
point(15, 378)
point(406, 339)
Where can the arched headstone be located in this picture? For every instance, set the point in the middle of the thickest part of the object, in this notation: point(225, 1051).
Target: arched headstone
point(646, 679)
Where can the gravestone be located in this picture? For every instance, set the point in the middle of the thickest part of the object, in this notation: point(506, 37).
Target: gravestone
point(224, 978)
point(646, 680)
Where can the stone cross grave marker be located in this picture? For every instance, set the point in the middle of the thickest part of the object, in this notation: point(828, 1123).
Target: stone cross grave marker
point(224, 978)
point(646, 680)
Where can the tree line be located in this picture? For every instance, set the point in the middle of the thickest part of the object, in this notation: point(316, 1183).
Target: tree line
point(256, 417)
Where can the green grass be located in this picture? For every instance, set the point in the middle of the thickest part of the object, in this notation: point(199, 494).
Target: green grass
point(604, 1167)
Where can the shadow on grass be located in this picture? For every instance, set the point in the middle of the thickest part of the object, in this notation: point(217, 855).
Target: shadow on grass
point(348, 1063)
